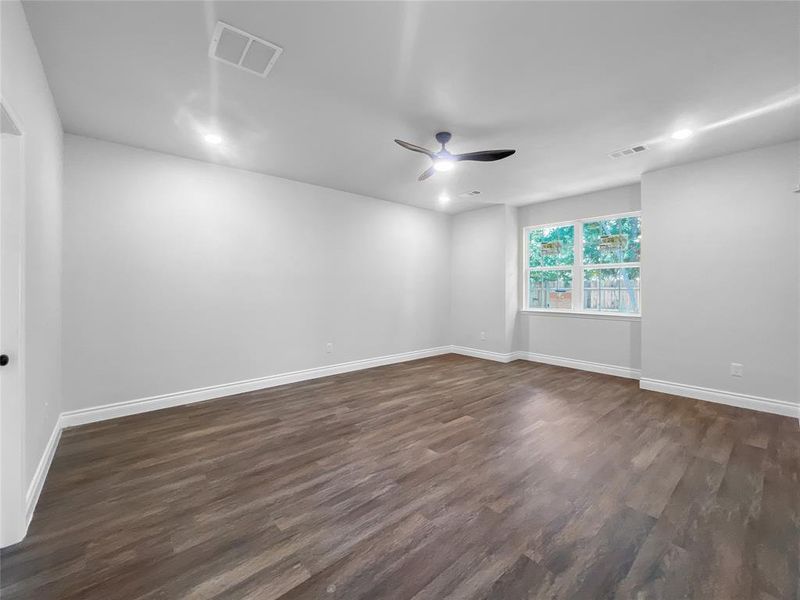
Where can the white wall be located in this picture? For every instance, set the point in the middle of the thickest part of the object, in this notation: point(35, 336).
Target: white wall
point(599, 339)
point(512, 276)
point(24, 88)
point(484, 279)
point(725, 229)
point(181, 274)
point(616, 200)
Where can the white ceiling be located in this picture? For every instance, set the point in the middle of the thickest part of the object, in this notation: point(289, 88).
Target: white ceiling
point(563, 83)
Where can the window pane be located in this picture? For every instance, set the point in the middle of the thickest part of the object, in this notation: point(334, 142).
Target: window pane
point(550, 289)
point(552, 246)
point(612, 241)
point(612, 290)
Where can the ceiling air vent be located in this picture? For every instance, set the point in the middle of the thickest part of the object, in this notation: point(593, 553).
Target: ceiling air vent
point(469, 194)
point(243, 50)
point(628, 151)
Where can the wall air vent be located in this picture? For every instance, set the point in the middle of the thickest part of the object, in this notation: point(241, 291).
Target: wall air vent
point(243, 50)
point(622, 152)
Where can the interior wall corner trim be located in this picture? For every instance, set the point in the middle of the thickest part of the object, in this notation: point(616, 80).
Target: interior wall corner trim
point(484, 354)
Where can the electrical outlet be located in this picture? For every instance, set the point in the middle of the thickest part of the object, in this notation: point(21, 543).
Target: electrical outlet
point(483, 335)
point(328, 347)
point(737, 369)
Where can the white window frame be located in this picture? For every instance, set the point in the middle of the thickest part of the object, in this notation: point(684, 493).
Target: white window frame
point(577, 270)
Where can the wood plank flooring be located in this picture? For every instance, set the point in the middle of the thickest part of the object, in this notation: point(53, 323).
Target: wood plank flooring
point(448, 477)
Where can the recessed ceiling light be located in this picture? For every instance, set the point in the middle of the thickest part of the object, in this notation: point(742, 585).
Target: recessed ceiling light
point(444, 198)
point(212, 138)
point(682, 134)
point(443, 164)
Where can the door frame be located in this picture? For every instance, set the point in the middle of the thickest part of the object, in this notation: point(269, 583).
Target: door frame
point(17, 512)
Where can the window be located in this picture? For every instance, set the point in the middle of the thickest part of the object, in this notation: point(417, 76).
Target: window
point(551, 257)
point(611, 251)
point(591, 265)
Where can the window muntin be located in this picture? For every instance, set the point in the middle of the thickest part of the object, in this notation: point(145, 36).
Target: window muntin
point(591, 265)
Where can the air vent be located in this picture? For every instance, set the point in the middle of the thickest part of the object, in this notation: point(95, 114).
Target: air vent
point(243, 50)
point(469, 194)
point(628, 151)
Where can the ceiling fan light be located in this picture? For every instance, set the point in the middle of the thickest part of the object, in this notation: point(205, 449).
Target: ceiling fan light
point(682, 134)
point(443, 164)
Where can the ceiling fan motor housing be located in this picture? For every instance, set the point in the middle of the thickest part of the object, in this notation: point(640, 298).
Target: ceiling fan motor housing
point(443, 137)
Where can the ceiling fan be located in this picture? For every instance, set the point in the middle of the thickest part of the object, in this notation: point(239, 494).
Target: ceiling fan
point(444, 161)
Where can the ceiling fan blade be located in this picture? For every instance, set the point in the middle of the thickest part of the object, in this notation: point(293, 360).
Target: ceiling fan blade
point(484, 155)
point(414, 147)
point(426, 174)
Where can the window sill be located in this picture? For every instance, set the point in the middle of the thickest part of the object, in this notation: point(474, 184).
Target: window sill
point(581, 314)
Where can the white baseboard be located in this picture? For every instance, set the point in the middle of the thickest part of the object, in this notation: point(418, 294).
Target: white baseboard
point(36, 485)
point(141, 405)
point(559, 361)
point(111, 411)
point(769, 405)
point(582, 365)
point(485, 354)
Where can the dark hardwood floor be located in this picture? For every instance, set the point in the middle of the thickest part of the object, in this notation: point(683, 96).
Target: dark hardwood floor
point(448, 477)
